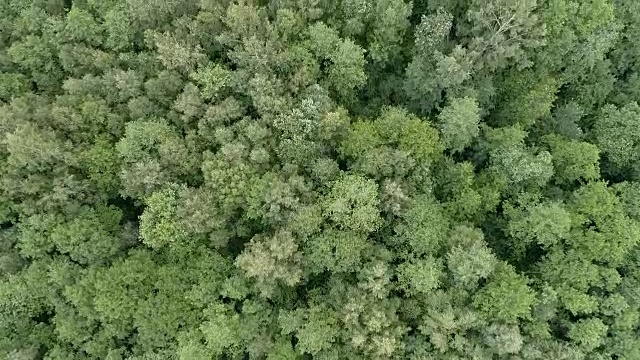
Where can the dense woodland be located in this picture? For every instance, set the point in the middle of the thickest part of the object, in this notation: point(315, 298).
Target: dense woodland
point(320, 179)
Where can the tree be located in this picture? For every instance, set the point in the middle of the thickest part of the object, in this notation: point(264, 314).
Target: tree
point(80, 26)
point(272, 260)
point(158, 224)
point(506, 297)
point(509, 156)
point(424, 226)
point(420, 276)
point(607, 242)
point(503, 31)
point(456, 187)
point(628, 193)
point(546, 224)
point(272, 199)
point(316, 328)
point(527, 97)
point(588, 333)
point(213, 79)
point(468, 267)
point(92, 237)
point(118, 29)
point(452, 69)
point(504, 339)
point(151, 153)
point(36, 56)
point(617, 135)
point(459, 123)
point(176, 54)
point(346, 59)
point(574, 160)
point(336, 251)
point(393, 145)
point(390, 22)
point(353, 203)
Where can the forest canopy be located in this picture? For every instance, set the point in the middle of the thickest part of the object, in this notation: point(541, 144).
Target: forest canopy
point(320, 179)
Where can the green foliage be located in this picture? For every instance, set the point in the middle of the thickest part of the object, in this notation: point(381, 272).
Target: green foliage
point(336, 251)
point(506, 297)
point(271, 260)
point(509, 156)
point(220, 331)
point(394, 144)
point(616, 134)
point(159, 224)
point(629, 194)
point(450, 70)
point(390, 22)
point(420, 276)
point(352, 204)
point(588, 333)
point(527, 98)
point(574, 160)
point(345, 70)
point(93, 236)
point(151, 153)
point(459, 123)
point(297, 179)
point(213, 80)
point(175, 54)
point(424, 225)
point(504, 31)
point(316, 328)
point(469, 259)
point(546, 224)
